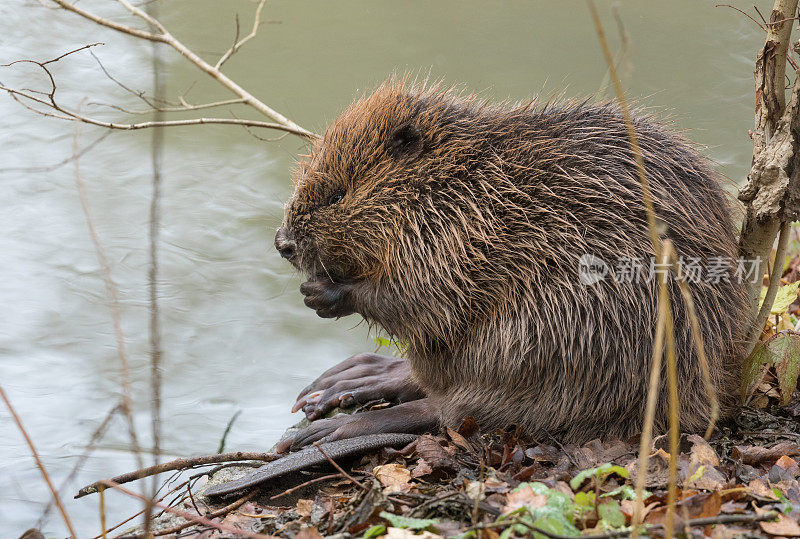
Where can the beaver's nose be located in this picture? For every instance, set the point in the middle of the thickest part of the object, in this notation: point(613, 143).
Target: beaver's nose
point(285, 245)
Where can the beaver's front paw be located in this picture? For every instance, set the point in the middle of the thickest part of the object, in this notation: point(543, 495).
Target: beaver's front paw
point(329, 299)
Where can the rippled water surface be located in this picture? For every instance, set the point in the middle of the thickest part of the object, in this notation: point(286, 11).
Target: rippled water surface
point(235, 333)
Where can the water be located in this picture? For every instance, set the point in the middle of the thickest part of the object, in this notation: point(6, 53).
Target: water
point(235, 333)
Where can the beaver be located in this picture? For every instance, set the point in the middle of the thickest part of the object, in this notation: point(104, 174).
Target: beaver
point(463, 227)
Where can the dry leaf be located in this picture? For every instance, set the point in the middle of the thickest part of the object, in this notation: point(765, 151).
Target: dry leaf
point(750, 454)
point(304, 507)
point(308, 533)
point(628, 508)
point(439, 458)
point(784, 526)
point(457, 439)
point(702, 452)
point(422, 469)
point(523, 497)
point(476, 490)
point(701, 472)
point(788, 464)
point(469, 427)
point(760, 489)
point(395, 477)
point(703, 505)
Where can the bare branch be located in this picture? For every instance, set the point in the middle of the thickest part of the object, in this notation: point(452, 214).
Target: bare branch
point(140, 93)
point(113, 296)
point(142, 14)
point(38, 461)
point(237, 44)
point(67, 114)
point(178, 464)
point(190, 516)
point(98, 433)
point(743, 13)
point(54, 166)
point(185, 107)
point(221, 512)
point(770, 192)
point(165, 37)
point(109, 23)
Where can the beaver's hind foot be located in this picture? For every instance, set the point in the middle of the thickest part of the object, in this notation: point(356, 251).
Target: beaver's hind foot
point(411, 417)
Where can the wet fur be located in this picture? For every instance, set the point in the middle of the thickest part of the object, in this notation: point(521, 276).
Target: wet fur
point(460, 227)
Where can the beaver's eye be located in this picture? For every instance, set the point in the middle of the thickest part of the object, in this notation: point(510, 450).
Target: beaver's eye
point(337, 197)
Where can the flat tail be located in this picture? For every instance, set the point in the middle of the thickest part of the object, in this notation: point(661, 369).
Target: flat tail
point(310, 456)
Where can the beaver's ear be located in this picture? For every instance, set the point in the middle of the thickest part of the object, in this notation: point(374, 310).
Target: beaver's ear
point(406, 141)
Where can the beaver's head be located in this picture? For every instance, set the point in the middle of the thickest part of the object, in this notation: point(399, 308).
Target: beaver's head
point(360, 196)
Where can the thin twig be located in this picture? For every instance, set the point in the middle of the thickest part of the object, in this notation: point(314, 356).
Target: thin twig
point(39, 463)
point(178, 464)
point(341, 470)
point(113, 297)
point(189, 516)
point(70, 115)
point(309, 482)
point(112, 528)
point(237, 44)
point(54, 166)
point(214, 514)
point(185, 107)
point(96, 436)
point(772, 290)
point(672, 387)
point(139, 94)
point(655, 240)
point(699, 345)
point(102, 503)
point(650, 411)
point(156, 152)
point(228, 428)
point(165, 37)
point(743, 13)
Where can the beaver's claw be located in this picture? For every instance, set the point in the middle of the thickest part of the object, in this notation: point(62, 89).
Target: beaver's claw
point(329, 299)
point(358, 380)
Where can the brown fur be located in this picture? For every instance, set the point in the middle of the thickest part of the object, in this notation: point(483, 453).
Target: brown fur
point(461, 224)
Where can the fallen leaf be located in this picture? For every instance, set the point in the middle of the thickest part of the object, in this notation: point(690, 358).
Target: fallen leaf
point(750, 454)
point(700, 472)
point(469, 427)
point(629, 508)
point(733, 508)
point(597, 452)
point(422, 469)
point(783, 526)
point(785, 469)
point(703, 505)
point(702, 452)
point(476, 490)
point(437, 457)
point(523, 497)
point(304, 507)
point(458, 440)
point(759, 489)
point(544, 453)
point(308, 533)
point(395, 477)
